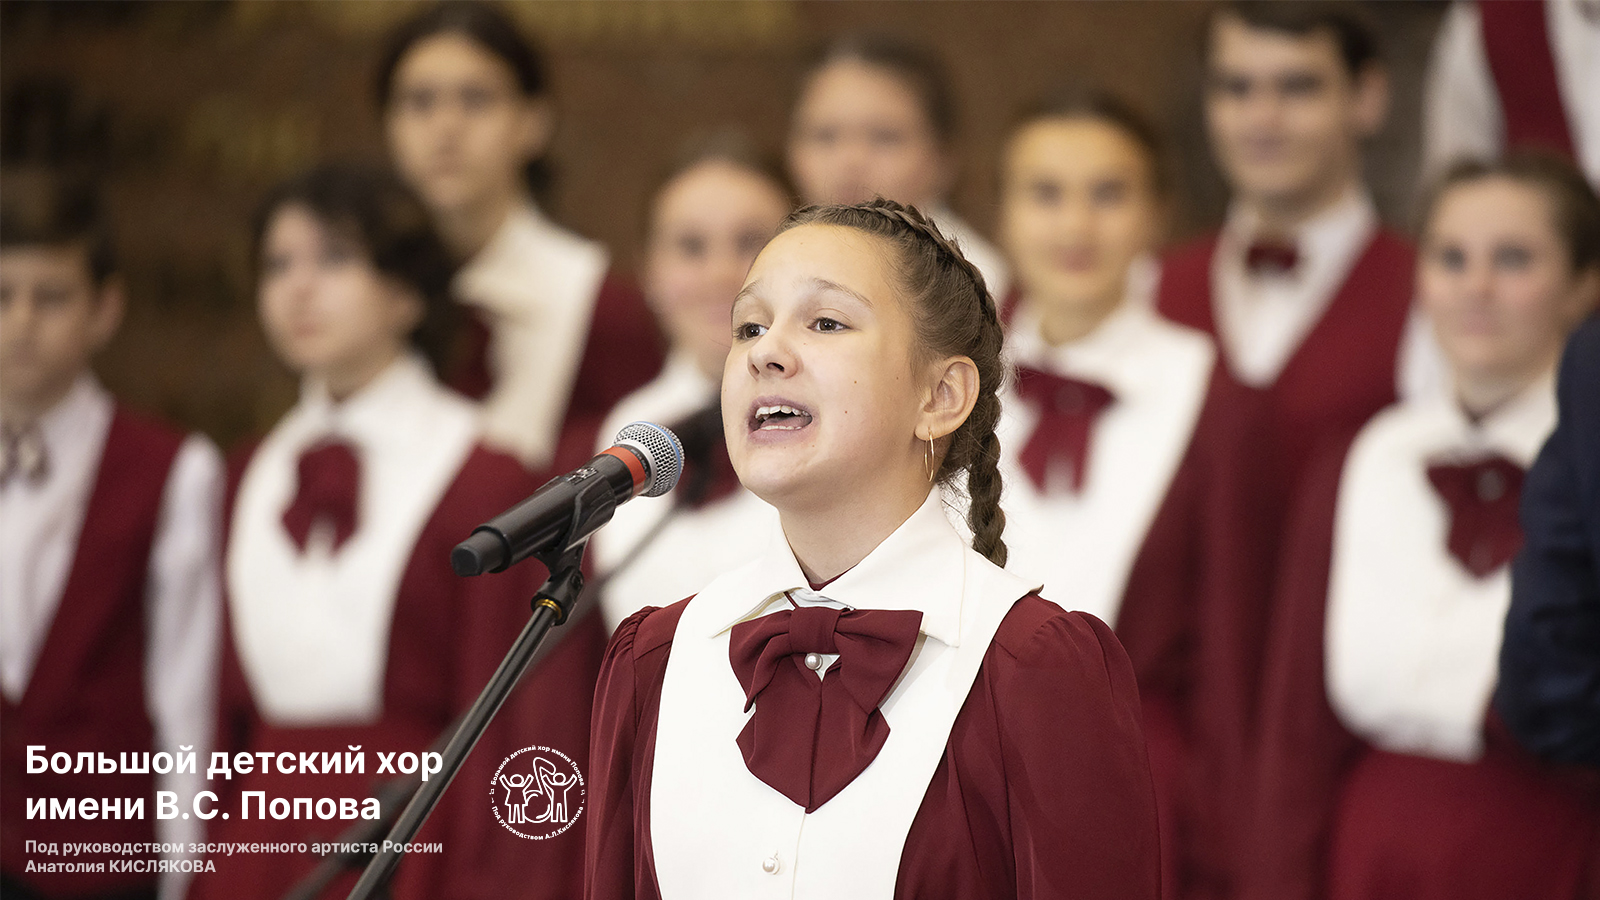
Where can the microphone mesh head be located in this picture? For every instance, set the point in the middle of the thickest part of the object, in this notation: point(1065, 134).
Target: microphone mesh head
point(663, 455)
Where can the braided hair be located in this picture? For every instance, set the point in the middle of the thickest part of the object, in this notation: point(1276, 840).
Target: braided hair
point(953, 315)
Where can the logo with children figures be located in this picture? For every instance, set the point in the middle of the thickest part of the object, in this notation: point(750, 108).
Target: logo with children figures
point(537, 793)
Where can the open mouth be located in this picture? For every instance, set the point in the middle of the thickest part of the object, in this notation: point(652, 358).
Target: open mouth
point(779, 417)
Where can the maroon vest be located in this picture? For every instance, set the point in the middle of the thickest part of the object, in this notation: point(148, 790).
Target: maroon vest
point(1516, 42)
point(87, 691)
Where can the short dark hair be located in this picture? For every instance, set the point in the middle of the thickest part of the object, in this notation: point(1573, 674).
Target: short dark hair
point(1573, 204)
point(1078, 102)
point(379, 212)
point(919, 68)
point(491, 29)
point(1348, 21)
point(52, 209)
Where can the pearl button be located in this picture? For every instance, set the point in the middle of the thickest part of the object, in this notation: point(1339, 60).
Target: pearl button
point(813, 661)
point(770, 865)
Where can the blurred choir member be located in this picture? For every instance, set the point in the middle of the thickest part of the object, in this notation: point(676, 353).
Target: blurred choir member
point(1509, 74)
point(347, 627)
point(558, 336)
point(1307, 294)
point(876, 117)
point(1549, 690)
point(109, 548)
point(1383, 775)
point(712, 214)
point(1113, 425)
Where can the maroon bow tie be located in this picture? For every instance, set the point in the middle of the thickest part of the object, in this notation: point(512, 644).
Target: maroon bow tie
point(1270, 257)
point(1482, 496)
point(811, 737)
point(329, 484)
point(1067, 411)
point(708, 474)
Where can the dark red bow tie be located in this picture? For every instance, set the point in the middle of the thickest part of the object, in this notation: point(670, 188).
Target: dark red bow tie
point(811, 737)
point(1067, 411)
point(329, 485)
point(1482, 496)
point(708, 474)
point(1271, 257)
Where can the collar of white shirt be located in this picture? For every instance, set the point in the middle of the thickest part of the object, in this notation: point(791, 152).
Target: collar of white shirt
point(1262, 320)
point(921, 566)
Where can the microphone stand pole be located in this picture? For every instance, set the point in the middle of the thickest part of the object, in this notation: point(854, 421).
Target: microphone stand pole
point(551, 606)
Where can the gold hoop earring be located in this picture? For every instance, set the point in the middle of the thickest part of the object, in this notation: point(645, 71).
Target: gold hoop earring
point(928, 457)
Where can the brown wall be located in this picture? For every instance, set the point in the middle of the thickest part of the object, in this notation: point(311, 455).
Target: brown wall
point(192, 109)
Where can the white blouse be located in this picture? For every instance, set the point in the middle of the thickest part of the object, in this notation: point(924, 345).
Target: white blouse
point(1413, 639)
point(312, 628)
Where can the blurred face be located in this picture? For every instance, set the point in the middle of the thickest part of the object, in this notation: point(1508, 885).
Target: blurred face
point(820, 394)
point(708, 225)
point(859, 132)
point(328, 312)
point(1078, 206)
point(1285, 117)
point(1495, 281)
point(460, 130)
point(52, 321)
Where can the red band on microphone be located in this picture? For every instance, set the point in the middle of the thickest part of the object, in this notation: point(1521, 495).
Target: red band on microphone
point(635, 466)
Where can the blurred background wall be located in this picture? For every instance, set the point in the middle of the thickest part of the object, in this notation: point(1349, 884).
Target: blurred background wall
point(191, 110)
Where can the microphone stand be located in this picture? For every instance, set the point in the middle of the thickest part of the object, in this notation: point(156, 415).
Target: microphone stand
point(552, 604)
point(393, 794)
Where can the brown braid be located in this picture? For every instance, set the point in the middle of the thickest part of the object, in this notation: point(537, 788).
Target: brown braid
point(955, 315)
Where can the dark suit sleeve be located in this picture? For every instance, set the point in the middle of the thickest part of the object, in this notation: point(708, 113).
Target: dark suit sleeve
point(1549, 691)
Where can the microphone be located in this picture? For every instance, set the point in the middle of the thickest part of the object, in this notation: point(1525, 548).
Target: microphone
point(646, 459)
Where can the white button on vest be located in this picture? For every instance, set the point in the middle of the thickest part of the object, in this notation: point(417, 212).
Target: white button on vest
point(813, 661)
point(770, 865)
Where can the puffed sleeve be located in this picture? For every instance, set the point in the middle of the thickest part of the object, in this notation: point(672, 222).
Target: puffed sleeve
point(621, 863)
point(1044, 789)
point(1549, 690)
point(1082, 808)
point(613, 736)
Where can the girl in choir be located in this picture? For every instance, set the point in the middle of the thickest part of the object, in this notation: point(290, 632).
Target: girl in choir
point(1383, 773)
point(876, 117)
point(712, 214)
point(347, 629)
point(1114, 412)
point(870, 708)
point(558, 336)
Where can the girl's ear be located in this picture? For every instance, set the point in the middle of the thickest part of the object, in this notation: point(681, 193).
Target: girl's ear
point(954, 393)
point(537, 128)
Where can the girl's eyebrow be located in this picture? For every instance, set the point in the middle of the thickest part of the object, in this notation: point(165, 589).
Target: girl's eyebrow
point(823, 285)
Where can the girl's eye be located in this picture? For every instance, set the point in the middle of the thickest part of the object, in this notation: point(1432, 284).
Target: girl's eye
point(1513, 258)
point(1453, 259)
point(829, 326)
point(747, 331)
point(274, 264)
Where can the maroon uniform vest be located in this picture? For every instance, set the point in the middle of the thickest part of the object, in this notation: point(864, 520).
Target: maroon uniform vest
point(1516, 42)
point(87, 691)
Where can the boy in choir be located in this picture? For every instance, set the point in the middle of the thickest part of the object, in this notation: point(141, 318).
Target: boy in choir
point(559, 336)
point(1509, 74)
point(712, 214)
point(346, 627)
point(872, 707)
point(1382, 773)
point(1116, 419)
point(109, 548)
point(1307, 295)
point(876, 117)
